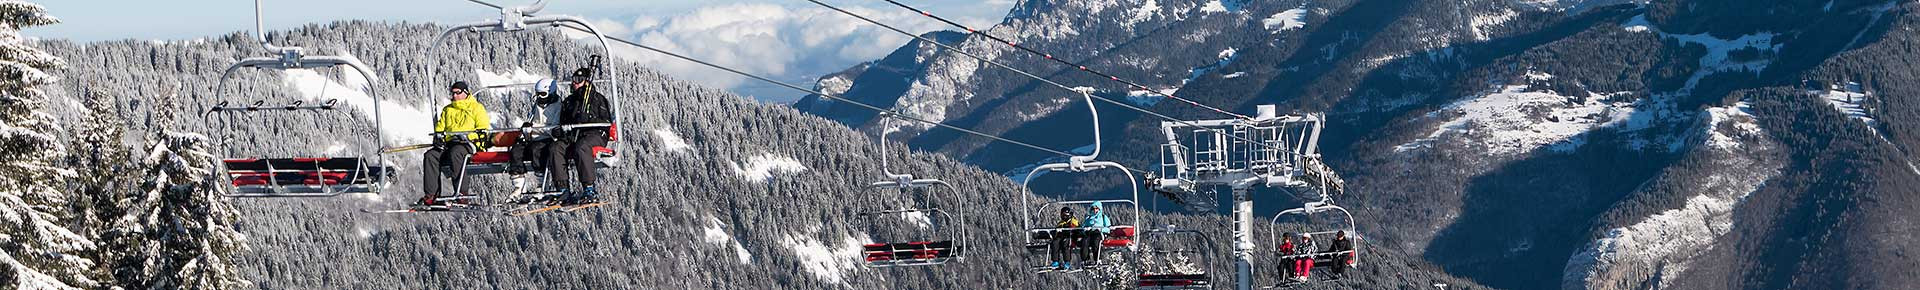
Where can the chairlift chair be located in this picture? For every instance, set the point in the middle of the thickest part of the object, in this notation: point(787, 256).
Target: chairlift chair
point(298, 176)
point(521, 18)
point(1322, 220)
point(1117, 237)
point(948, 241)
point(1167, 242)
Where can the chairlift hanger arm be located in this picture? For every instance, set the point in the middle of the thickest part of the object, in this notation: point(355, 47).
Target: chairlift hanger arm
point(528, 9)
point(260, 33)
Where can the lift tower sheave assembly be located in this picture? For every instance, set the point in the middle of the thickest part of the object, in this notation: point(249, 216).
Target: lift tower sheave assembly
point(1268, 150)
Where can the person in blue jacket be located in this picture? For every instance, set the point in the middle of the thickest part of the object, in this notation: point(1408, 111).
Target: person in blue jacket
point(1096, 225)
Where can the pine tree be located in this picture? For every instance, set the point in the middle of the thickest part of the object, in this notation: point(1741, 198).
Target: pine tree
point(177, 231)
point(101, 181)
point(37, 251)
point(174, 230)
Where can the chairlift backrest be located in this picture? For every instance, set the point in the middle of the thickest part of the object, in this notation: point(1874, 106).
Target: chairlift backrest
point(299, 177)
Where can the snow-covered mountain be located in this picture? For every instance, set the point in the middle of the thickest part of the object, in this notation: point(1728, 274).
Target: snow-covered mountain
point(1520, 144)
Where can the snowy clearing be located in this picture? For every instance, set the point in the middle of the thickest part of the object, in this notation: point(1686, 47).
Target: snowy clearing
point(671, 142)
point(1481, 23)
point(1214, 6)
point(1743, 126)
point(1848, 102)
point(1639, 23)
point(830, 263)
point(1718, 51)
point(763, 168)
point(1517, 120)
point(919, 219)
point(1147, 98)
point(717, 235)
point(518, 76)
point(402, 124)
point(1286, 20)
point(1145, 12)
point(336, 148)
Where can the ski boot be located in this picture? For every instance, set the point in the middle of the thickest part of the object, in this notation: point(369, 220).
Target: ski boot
point(587, 195)
point(425, 202)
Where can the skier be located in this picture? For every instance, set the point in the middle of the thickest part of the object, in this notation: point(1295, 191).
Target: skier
point(1096, 225)
point(582, 106)
point(535, 145)
point(1287, 266)
point(1340, 261)
point(462, 114)
point(1304, 266)
point(1063, 240)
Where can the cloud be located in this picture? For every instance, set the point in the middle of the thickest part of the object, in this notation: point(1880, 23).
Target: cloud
point(792, 44)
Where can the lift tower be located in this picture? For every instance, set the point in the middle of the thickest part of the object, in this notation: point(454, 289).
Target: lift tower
point(1267, 150)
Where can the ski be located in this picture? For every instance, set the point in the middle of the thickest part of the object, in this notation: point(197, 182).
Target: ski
point(427, 210)
point(404, 148)
point(531, 211)
point(572, 208)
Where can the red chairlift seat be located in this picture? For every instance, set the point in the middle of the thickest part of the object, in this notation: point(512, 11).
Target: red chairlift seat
point(917, 251)
point(1118, 236)
point(496, 158)
point(1154, 281)
point(301, 176)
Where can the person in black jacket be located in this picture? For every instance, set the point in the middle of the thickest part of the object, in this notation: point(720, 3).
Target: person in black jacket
point(1341, 244)
point(583, 105)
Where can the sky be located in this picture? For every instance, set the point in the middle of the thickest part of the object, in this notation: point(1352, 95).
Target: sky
point(790, 40)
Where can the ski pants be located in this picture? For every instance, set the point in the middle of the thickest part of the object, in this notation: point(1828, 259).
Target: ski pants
point(533, 152)
point(581, 152)
point(1062, 242)
point(1303, 266)
point(1287, 266)
point(1340, 264)
point(1090, 245)
point(453, 155)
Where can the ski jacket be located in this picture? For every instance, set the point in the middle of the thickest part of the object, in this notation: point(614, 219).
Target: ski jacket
point(1098, 218)
point(1068, 222)
point(464, 115)
point(585, 106)
point(1340, 244)
point(1306, 246)
point(1286, 248)
point(546, 110)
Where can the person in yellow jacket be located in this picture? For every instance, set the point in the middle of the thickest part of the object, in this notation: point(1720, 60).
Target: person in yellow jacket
point(463, 114)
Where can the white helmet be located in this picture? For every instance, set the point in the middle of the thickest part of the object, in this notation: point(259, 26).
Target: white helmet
point(546, 85)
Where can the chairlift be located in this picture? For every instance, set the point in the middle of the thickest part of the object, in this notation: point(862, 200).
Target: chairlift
point(948, 238)
point(1321, 220)
point(297, 176)
point(1115, 237)
point(497, 159)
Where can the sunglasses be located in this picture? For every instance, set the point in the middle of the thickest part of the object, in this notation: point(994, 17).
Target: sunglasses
point(456, 92)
